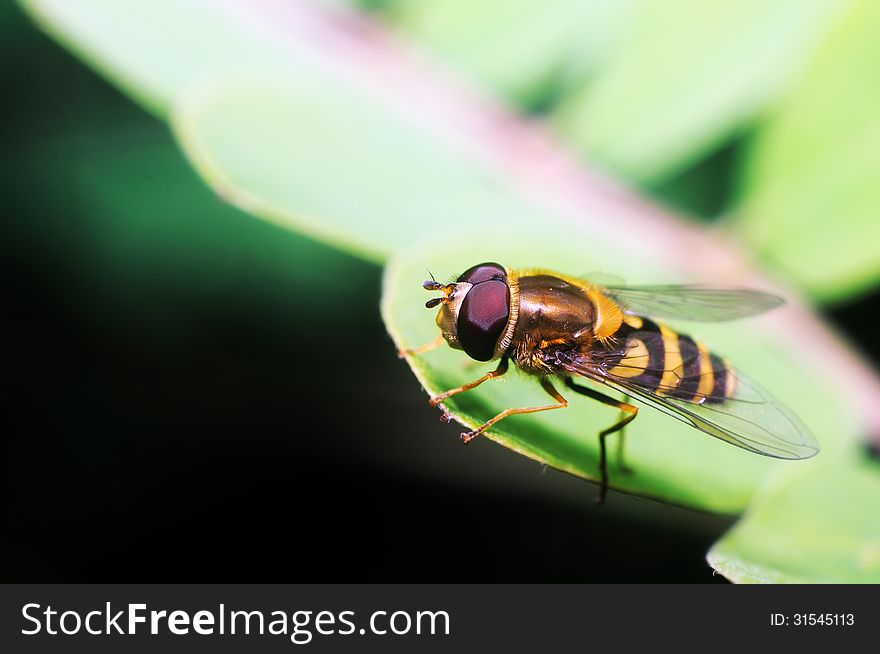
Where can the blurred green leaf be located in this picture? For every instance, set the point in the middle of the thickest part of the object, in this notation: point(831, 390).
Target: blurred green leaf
point(155, 50)
point(704, 190)
point(811, 202)
point(286, 137)
point(688, 73)
point(814, 524)
point(519, 48)
point(671, 461)
point(322, 155)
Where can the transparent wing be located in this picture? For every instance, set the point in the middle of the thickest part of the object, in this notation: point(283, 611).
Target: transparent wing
point(692, 302)
point(751, 418)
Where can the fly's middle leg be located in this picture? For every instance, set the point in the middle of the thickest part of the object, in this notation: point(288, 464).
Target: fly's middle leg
point(561, 403)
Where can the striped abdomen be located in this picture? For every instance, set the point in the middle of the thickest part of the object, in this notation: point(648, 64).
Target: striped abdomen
point(666, 362)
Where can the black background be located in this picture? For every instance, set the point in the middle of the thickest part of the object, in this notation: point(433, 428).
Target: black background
point(211, 426)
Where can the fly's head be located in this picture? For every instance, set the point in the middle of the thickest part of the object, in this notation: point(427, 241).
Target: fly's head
point(474, 310)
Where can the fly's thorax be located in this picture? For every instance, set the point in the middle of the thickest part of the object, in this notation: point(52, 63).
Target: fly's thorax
point(479, 311)
point(553, 311)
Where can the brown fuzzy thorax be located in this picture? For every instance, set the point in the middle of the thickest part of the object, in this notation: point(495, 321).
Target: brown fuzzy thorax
point(554, 314)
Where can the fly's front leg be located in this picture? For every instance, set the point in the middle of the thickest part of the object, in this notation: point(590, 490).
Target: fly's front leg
point(426, 347)
point(500, 370)
point(628, 414)
point(561, 403)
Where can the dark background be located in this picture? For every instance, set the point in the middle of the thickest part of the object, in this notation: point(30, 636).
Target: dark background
point(189, 394)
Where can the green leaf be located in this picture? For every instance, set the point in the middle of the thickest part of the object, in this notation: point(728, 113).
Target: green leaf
point(811, 201)
point(287, 136)
point(157, 50)
point(687, 74)
point(318, 154)
point(518, 48)
point(815, 524)
point(671, 461)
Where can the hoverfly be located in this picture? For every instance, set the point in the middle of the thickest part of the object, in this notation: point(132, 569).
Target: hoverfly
point(559, 328)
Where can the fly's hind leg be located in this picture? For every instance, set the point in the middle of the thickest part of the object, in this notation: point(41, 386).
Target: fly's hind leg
point(628, 414)
point(621, 439)
point(561, 403)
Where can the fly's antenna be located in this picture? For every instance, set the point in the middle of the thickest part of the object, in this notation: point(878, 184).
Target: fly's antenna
point(433, 285)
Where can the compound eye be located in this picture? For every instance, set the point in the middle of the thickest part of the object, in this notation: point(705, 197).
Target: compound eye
point(482, 272)
point(482, 318)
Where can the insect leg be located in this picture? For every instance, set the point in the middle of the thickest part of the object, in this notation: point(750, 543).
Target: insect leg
point(426, 347)
point(500, 370)
point(561, 403)
point(625, 408)
point(621, 441)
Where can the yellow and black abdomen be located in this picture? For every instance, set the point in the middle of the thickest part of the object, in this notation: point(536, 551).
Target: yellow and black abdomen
point(666, 362)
